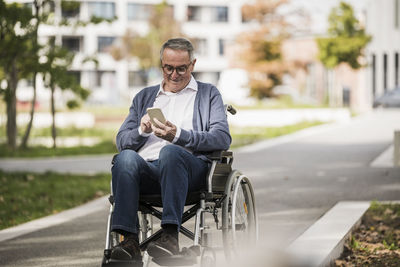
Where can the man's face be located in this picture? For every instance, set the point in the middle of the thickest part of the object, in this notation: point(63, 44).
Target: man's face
point(177, 69)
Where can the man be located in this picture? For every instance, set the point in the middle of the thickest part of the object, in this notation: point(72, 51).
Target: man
point(167, 159)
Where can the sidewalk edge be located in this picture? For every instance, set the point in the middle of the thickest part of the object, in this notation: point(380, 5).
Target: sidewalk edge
point(323, 242)
point(51, 220)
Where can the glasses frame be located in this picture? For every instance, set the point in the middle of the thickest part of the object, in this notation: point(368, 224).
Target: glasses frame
point(186, 67)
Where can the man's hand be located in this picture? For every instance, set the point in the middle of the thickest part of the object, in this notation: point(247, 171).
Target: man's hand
point(165, 131)
point(145, 124)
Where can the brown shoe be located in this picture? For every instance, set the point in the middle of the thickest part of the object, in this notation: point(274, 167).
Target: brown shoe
point(167, 245)
point(128, 249)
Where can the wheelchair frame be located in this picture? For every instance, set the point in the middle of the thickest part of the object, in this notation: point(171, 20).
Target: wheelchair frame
point(228, 195)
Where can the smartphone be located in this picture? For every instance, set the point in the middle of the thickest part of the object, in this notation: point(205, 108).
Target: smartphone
point(156, 113)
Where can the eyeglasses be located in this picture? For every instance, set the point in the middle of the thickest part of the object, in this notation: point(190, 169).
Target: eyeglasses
point(168, 69)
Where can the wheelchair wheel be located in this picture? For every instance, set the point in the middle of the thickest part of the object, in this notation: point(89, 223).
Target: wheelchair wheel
point(239, 218)
point(145, 226)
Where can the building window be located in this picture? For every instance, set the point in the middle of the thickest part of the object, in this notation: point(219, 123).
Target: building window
point(70, 9)
point(396, 69)
point(105, 10)
point(101, 79)
point(385, 65)
point(219, 14)
point(200, 46)
point(221, 47)
point(104, 43)
point(207, 14)
point(139, 11)
point(72, 43)
point(396, 14)
point(137, 78)
point(194, 13)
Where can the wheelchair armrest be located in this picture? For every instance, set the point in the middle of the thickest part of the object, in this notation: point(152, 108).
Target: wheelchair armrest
point(218, 155)
point(113, 159)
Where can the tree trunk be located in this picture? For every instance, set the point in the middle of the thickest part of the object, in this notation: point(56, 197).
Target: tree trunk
point(29, 127)
point(11, 101)
point(25, 139)
point(53, 115)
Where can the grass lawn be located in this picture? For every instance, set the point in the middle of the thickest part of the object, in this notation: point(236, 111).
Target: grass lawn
point(28, 196)
point(249, 135)
point(104, 147)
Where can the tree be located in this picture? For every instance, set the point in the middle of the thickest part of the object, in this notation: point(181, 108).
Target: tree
point(19, 46)
point(15, 56)
point(56, 75)
point(345, 44)
point(261, 48)
point(162, 26)
point(39, 16)
point(347, 39)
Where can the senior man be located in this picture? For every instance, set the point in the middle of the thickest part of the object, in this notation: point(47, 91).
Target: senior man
point(167, 159)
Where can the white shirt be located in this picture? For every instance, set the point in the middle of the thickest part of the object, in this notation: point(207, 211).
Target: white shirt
point(178, 109)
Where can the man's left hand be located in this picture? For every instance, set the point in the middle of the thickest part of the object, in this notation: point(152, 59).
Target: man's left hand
point(165, 131)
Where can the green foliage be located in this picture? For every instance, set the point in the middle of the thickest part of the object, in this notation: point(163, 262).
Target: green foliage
point(105, 147)
point(99, 132)
point(347, 39)
point(16, 60)
point(97, 20)
point(48, 193)
point(354, 244)
point(20, 51)
point(392, 245)
point(70, 5)
point(56, 74)
point(15, 46)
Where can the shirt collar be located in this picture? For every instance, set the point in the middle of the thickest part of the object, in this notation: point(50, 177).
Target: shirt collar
point(191, 85)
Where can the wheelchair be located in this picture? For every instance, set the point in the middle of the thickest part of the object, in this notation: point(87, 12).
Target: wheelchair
point(226, 208)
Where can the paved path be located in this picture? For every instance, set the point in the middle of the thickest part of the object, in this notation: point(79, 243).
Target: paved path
point(296, 181)
point(76, 164)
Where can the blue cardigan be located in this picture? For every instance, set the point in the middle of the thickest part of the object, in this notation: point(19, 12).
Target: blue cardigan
point(210, 127)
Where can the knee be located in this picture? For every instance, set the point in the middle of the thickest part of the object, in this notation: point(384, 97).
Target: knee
point(170, 152)
point(127, 160)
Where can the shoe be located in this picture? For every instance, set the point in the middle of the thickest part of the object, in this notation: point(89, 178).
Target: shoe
point(128, 249)
point(167, 245)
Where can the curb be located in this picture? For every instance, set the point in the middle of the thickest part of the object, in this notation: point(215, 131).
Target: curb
point(323, 242)
point(51, 220)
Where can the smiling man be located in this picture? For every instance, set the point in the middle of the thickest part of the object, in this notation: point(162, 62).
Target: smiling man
point(166, 158)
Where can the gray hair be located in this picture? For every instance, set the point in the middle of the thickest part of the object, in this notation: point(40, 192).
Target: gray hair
point(178, 44)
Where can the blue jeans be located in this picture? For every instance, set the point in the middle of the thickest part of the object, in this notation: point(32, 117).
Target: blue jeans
point(173, 175)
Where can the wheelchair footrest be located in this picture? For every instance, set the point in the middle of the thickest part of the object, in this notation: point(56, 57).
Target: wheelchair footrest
point(121, 263)
point(175, 260)
point(186, 257)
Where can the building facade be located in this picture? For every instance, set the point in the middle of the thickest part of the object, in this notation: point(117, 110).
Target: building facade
point(211, 24)
point(383, 52)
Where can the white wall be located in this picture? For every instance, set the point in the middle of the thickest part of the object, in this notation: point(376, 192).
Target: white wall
point(386, 39)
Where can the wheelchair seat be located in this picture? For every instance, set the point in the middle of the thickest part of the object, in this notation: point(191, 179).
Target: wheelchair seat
point(156, 201)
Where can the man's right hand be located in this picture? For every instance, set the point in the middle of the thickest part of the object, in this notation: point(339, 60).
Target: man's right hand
point(145, 124)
